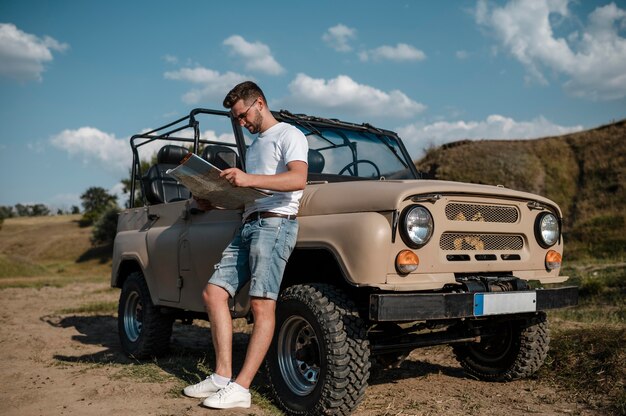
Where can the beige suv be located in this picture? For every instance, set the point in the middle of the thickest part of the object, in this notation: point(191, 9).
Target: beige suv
point(386, 262)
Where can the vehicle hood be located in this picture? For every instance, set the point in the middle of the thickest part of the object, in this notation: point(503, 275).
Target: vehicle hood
point(368, 196)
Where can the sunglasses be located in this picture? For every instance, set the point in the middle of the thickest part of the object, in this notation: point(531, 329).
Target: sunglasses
point(243, 115)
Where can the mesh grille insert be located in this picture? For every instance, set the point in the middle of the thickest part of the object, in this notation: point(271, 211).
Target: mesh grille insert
point(480, 242)
point(481, 213)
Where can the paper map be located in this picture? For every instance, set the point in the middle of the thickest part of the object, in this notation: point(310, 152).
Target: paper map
point(203, 180)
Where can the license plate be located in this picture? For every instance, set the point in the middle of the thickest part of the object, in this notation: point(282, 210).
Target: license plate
point(504, 302)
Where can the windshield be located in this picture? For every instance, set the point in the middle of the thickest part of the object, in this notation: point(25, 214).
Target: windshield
point(358, 154)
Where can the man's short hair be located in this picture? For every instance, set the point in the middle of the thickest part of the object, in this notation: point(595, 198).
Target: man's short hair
point(245, 91)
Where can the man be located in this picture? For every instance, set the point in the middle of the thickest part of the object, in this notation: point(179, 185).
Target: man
point(275, 161)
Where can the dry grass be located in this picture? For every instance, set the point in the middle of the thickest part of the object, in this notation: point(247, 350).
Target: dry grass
point(589, 360)
point(51, 250)
point(588, 347)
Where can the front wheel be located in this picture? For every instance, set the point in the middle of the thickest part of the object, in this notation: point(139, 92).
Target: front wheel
point(143, 330)
point(512, 350)
point(318, 362)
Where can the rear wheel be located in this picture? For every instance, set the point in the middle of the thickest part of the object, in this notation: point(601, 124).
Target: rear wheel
point(511, 350)
point(143, 330)
point(318, 362)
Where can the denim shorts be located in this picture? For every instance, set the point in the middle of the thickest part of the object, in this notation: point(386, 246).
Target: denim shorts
point(259, 252)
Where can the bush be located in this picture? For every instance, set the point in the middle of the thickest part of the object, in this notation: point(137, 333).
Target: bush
point(89, 218)
point(105, 227)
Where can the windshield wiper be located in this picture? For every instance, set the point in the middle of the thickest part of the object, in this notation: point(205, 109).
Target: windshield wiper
point(312, 130)
point(383, 138)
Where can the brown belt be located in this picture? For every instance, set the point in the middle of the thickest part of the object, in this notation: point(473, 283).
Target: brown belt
point(267, 214)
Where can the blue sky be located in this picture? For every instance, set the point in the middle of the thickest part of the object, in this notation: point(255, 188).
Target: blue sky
point(78, 78)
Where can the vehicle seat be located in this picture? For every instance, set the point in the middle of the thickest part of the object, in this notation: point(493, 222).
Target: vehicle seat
point(316, 161)
point(222, 157)
point(159, 187)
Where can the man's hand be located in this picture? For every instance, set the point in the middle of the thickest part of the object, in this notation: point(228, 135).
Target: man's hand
point(204, 205)
point(292, 180)
point(237, 177)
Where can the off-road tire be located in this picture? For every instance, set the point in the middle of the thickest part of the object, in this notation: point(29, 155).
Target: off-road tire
point(318, 362)
point(517, 352)
point(143, 330)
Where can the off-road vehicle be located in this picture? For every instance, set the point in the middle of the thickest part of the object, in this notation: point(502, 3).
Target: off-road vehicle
point(385, 262)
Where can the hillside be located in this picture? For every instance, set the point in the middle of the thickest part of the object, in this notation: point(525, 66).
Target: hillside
point(585, 173)
point(49, 250)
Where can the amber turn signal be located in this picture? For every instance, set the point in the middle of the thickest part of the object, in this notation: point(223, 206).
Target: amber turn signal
point(406, 262)
point(553, 260)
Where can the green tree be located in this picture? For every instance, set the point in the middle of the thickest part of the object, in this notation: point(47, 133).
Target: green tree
point(21, 210)
point(6, 212)
point(34, 210)
point(39, 210)
point(105, 227)
point(95, 201)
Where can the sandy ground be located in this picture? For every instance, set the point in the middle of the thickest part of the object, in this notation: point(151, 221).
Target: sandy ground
point(62, 363)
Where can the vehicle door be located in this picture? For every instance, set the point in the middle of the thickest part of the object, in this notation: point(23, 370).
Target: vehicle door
point(166, 224)
point(207, 234)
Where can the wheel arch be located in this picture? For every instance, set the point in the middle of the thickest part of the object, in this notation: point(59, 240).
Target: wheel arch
point(126, 268)
point(315, 265)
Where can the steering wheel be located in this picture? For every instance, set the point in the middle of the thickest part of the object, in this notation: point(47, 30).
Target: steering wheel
point(356, 162)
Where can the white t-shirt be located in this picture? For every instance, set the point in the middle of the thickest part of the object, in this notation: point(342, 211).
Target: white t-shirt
point(269, 154)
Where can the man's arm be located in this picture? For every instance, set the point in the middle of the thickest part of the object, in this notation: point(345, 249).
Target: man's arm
point(292, 180)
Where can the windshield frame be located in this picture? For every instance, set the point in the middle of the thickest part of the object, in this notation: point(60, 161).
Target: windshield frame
point(388, 138)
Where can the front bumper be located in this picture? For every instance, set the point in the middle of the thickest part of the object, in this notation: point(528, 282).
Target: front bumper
point(419, 307)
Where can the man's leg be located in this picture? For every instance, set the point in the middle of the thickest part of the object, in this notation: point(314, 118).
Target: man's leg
point(216, 301)
point(271, 244)
point(264, 312)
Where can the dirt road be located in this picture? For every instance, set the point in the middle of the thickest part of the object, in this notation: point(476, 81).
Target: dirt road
point(58, 358)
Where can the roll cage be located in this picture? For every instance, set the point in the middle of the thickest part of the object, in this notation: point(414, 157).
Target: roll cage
point(311, 124)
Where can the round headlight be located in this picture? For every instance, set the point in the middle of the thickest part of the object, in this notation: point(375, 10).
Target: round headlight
point(417, 226)
point(547, 229)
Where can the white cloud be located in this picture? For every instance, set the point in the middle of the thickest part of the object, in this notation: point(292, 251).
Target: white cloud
point(400, 52)
point(257, 55)
point(213, 85)
point(420, 136)
point(339, 36)
point(36, 147)
point(96, 147)
point(170, 59)
point(462, 55)
point(118, 191)
point(593, 59)
point(23, 55)
point(113, 155)
point(342, 94)
point(64, 202)
point(212, 136)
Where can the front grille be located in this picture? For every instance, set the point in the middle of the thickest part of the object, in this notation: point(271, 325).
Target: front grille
point(481, 213)
point(479, 242)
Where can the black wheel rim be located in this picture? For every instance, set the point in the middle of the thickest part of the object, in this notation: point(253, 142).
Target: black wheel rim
point(298, 355)
point(494, 349)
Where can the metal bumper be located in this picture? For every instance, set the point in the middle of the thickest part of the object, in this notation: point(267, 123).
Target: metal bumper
point(418, 307)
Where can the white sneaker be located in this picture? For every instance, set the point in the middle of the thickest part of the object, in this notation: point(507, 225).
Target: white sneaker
point(228, 397)
point(203, 389)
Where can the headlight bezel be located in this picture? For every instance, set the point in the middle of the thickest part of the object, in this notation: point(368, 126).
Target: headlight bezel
point(404, 232)
point(539, 236)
